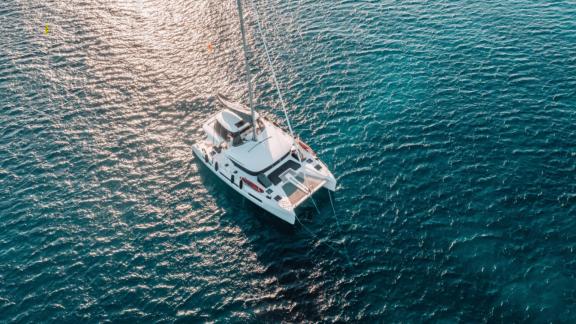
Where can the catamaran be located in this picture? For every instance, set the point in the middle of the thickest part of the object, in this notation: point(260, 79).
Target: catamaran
point(258, 158)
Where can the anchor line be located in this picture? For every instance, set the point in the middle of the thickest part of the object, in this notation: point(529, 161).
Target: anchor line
point(317, 238)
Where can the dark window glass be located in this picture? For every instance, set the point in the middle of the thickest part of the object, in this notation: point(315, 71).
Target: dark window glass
point(222, 132)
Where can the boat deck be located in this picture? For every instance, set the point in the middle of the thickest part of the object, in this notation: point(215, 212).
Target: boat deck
point(296, 195)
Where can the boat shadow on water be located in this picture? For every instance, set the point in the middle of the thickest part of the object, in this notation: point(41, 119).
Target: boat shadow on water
point(306, 212)
point(288, 252)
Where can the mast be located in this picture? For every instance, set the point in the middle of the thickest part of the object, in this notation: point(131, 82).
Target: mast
point(248, 77)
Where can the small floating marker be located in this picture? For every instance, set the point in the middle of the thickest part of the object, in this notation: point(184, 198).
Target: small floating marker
point(46, 29)
point(210, 47)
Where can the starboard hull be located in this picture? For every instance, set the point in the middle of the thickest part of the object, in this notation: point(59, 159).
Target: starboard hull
point(285, 215)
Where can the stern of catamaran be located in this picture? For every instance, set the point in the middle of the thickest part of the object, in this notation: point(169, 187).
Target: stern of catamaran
point(299, 177)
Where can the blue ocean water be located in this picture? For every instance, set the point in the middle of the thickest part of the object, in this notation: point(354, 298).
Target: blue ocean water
point(450, 125)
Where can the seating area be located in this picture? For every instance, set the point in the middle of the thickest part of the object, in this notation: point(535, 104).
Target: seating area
point(296, 195)
point(275, 175)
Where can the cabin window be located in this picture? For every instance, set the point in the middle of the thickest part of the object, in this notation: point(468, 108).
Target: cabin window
point(222, 132)
point(263, 179)
point(295, 156)
point(237, 140)
point(240, 124)
point(261, 171)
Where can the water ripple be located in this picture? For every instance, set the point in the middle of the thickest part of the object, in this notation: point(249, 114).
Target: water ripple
point(449, 125)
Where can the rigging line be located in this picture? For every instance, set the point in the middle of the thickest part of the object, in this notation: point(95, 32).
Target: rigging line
point(317, 238)
point(283, 104)
point(345, 252)
point(334, 210)
point(338, 225)
point(267, 51)
point(262, 141)
point(314, 202)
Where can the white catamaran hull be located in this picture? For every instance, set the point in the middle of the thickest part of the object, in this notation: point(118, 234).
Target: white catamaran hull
point(288, 216)
point(254, 156)
point(286, 178)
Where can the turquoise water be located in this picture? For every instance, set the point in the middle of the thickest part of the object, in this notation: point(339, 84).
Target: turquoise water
point(450, 125)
